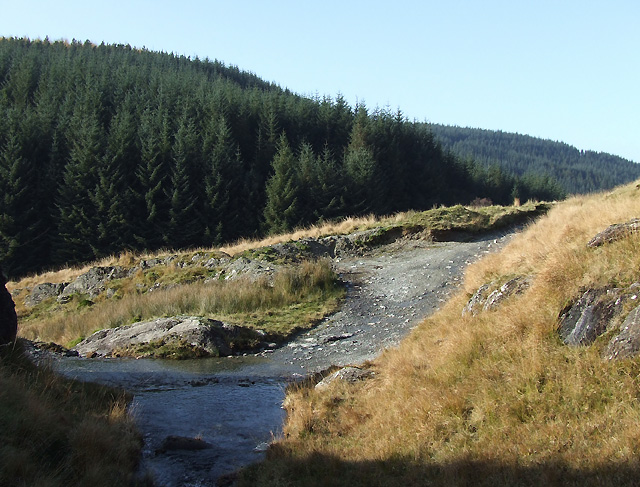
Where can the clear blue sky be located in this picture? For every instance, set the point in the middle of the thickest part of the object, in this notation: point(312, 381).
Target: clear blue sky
point(565, 70)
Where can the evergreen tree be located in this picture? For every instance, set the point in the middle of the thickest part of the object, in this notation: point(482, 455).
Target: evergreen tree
point(183, 226)
point(151, 176)
point(77, 214)
point(22, 229)
point(282, 210)
point(222, 183)
point(361, 169)
point(113, 198)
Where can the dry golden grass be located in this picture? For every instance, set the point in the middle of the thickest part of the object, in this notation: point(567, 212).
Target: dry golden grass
point(297, 297)
point(55, 432)
point(493, 398)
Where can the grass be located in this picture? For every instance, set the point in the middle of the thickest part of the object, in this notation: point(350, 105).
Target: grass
point(56, 432)
point(297, 297)
point(487, 399)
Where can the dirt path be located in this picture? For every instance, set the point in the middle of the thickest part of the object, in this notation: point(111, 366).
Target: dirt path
point(389, 292)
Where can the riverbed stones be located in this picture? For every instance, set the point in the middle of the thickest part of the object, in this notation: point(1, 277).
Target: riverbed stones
point(182, 443)
point(8, 318)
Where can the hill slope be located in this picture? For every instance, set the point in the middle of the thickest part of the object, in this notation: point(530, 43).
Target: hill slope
point(576, 171)
point(106, 148)
point(494, 396)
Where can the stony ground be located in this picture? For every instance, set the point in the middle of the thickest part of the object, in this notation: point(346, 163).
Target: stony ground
point(390, 290)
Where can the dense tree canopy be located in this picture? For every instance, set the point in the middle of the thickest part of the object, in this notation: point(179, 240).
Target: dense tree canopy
point(105, 148)
point(522, 155)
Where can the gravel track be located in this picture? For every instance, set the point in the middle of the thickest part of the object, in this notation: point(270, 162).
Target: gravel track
point(389, 291)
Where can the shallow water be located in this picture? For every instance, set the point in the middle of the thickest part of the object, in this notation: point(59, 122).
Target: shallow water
point(232, 403)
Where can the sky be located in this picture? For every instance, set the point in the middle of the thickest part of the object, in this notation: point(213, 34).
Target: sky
point(558, 69)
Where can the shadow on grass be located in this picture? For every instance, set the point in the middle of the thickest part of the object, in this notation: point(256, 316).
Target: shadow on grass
point(321, 470)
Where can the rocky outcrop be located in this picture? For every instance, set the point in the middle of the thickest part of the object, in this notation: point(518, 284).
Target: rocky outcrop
point(8, 318)
point(93, 282)
point(590, 316)
point(347, 374)
point(178, 337)
point(44, 291)
point(489, 296)
point(627, 343)
point(615, 232)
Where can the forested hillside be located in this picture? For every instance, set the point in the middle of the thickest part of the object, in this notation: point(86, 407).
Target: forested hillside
point(106, 148)
point(575, 170)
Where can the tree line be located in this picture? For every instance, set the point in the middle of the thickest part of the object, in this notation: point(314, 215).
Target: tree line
point(106, 147)
point(577, 171)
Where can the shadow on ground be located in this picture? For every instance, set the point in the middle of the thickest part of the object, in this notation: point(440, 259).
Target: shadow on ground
point(321, 470)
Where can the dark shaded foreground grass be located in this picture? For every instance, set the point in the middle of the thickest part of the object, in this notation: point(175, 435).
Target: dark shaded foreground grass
point(319, 470)
point(58, 432)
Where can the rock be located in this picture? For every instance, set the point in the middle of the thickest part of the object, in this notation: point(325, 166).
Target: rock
point(347, 374)
point(627, 343)
point(43, 291)
point(514, 286)
point(202, 336)
point(590, 316)
point(252, 269)
point(477, 301)
point(184, 443)
point(485, 300)
point(615, 232)
point(8, 317)
point(93, 281)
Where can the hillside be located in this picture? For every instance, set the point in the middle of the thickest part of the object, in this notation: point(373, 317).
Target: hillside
point(492, 389)
point(576, 171)
point(106, 148)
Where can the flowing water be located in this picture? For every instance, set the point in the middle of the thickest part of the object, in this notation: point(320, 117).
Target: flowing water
point(234, 404)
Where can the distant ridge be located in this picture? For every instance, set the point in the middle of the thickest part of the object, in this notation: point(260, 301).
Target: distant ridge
point(577, 171)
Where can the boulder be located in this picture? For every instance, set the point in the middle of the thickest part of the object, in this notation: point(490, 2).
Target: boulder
point(347, 374)
point(8, 317)
point(485, 300)
point(627, 343)
point(590, 316)
point(44, 291)
point(182, 443)
point(201, 336)
point(615, 232)
point(93, 281)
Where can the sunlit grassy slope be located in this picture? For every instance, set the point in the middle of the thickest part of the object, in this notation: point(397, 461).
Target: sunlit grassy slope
point(298, 296)
point(491, 399)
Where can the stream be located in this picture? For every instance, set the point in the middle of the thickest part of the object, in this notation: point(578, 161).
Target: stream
point(234, 403)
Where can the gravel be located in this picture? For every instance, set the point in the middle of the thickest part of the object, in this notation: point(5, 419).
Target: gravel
point(389, 292)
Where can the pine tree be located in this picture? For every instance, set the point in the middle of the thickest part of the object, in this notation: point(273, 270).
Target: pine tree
point(184, 224)
point(76, 220)
point(361, 169)
point(222, 184)
point(22, 230)
point(113, 198)
point(282, 212)
point(151, 178)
